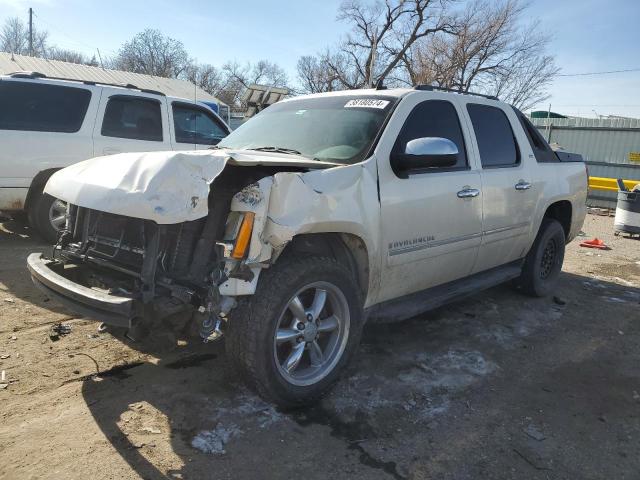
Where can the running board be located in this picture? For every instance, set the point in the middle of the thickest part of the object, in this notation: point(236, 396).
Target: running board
point(425, 300)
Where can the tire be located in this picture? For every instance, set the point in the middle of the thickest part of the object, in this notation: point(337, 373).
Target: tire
point(544, 261)
point(261, 357)
point(40, 216)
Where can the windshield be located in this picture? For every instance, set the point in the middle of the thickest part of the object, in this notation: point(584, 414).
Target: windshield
point(338, 129)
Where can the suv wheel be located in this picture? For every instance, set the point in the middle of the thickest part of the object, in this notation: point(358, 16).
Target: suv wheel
point(48, 216)
point(294, 336)
point(544, 261)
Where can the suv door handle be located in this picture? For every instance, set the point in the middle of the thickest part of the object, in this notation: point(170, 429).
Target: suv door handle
point(467, 192)
point(522, 185)
point(111, 151)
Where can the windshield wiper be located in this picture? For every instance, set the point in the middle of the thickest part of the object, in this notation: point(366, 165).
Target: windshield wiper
point(288, 151)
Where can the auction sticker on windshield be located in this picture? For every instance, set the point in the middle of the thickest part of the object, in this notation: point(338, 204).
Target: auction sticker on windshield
point(366, 103)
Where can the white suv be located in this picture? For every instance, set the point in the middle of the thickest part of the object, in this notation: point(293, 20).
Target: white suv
point(47, 124)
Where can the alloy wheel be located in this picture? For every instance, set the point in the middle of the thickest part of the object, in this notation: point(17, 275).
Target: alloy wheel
point(311, 333)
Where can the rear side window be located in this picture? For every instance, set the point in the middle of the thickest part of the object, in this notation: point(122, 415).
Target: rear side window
point(496, 142)
point(196, 125)
point(433, 118)
point(42, 107)
point(133, 117)
point(539, 145)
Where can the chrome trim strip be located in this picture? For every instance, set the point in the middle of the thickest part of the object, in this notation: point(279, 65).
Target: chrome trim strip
point(438, 243)
point(505, 229)
point(461, 238)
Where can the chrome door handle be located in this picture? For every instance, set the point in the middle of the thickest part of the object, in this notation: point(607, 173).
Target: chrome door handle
point(468, 193)
point(522, 185)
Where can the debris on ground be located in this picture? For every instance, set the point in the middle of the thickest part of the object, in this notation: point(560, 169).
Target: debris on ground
point(59, 330)
point(151, 430)
point(533, 432)
point(559, 301)
point(9, 300)
point(3, 380)
point(4, 357)
point(595, 243)
point(213, 441)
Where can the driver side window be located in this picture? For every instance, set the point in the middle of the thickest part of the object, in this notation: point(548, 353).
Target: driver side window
point(434, 118)
point(195, 125)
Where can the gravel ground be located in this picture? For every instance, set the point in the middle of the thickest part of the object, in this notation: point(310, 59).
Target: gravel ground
point(496, 386)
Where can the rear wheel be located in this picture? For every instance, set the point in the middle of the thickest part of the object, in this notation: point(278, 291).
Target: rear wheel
point(544, 261)
point(48, 216)
point(293, 337)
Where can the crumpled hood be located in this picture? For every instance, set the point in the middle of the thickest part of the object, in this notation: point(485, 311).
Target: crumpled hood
point(166, 187)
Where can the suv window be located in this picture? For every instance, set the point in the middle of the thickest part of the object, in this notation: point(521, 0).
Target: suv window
point(496, 142)
point(539, 145)
point(42, 107)
point(433, 118)
point(196, 125)
point(133, 117)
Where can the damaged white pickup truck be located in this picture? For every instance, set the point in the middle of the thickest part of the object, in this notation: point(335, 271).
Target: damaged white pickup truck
point(318, 213)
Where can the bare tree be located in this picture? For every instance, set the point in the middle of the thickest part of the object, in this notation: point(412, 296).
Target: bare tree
point(239, 76)
point(490, 52)
point(71, 56)
point(152, 53)
point(381, 34)
point(207, 77)
point(14, 38)
point(315, 77)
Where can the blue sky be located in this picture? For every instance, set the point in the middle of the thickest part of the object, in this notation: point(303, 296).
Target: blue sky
point(588, 35)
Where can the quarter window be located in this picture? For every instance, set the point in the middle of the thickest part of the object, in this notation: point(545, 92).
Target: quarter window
point(539, 145)
point(42, 107)
point(496, 142)
point(195, 125)
point(133, 117)
point(433, 118)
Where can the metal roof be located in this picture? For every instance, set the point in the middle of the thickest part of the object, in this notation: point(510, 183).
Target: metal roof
point(172, 87)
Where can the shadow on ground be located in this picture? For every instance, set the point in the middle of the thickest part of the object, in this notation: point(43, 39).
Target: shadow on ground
point(499, 385)
point(20, 238)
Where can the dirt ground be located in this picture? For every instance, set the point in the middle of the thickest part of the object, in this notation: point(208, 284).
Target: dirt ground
point(496, 386)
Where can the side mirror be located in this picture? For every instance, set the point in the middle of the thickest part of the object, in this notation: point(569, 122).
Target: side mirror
point(427, 152)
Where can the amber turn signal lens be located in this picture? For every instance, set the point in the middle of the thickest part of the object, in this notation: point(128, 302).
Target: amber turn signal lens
point(244, 236)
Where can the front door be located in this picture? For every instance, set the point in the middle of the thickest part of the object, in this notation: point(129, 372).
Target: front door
point(432, 219)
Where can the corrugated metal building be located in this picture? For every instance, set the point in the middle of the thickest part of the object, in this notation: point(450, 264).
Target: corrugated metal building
point(607, 145)
point(10, 63)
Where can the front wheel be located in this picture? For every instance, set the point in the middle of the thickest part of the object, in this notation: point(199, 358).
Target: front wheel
point(293, 337)
point(544, 261)
point(48, 216)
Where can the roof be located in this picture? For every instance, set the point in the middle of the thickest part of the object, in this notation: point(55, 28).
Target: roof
point(171, 87)
point(391, 92)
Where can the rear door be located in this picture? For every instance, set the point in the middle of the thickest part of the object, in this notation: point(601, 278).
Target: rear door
point(131, 121)
point(508, 191)
point(430, 231)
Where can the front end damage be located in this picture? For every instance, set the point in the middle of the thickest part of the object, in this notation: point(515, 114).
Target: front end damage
point(153, 235)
